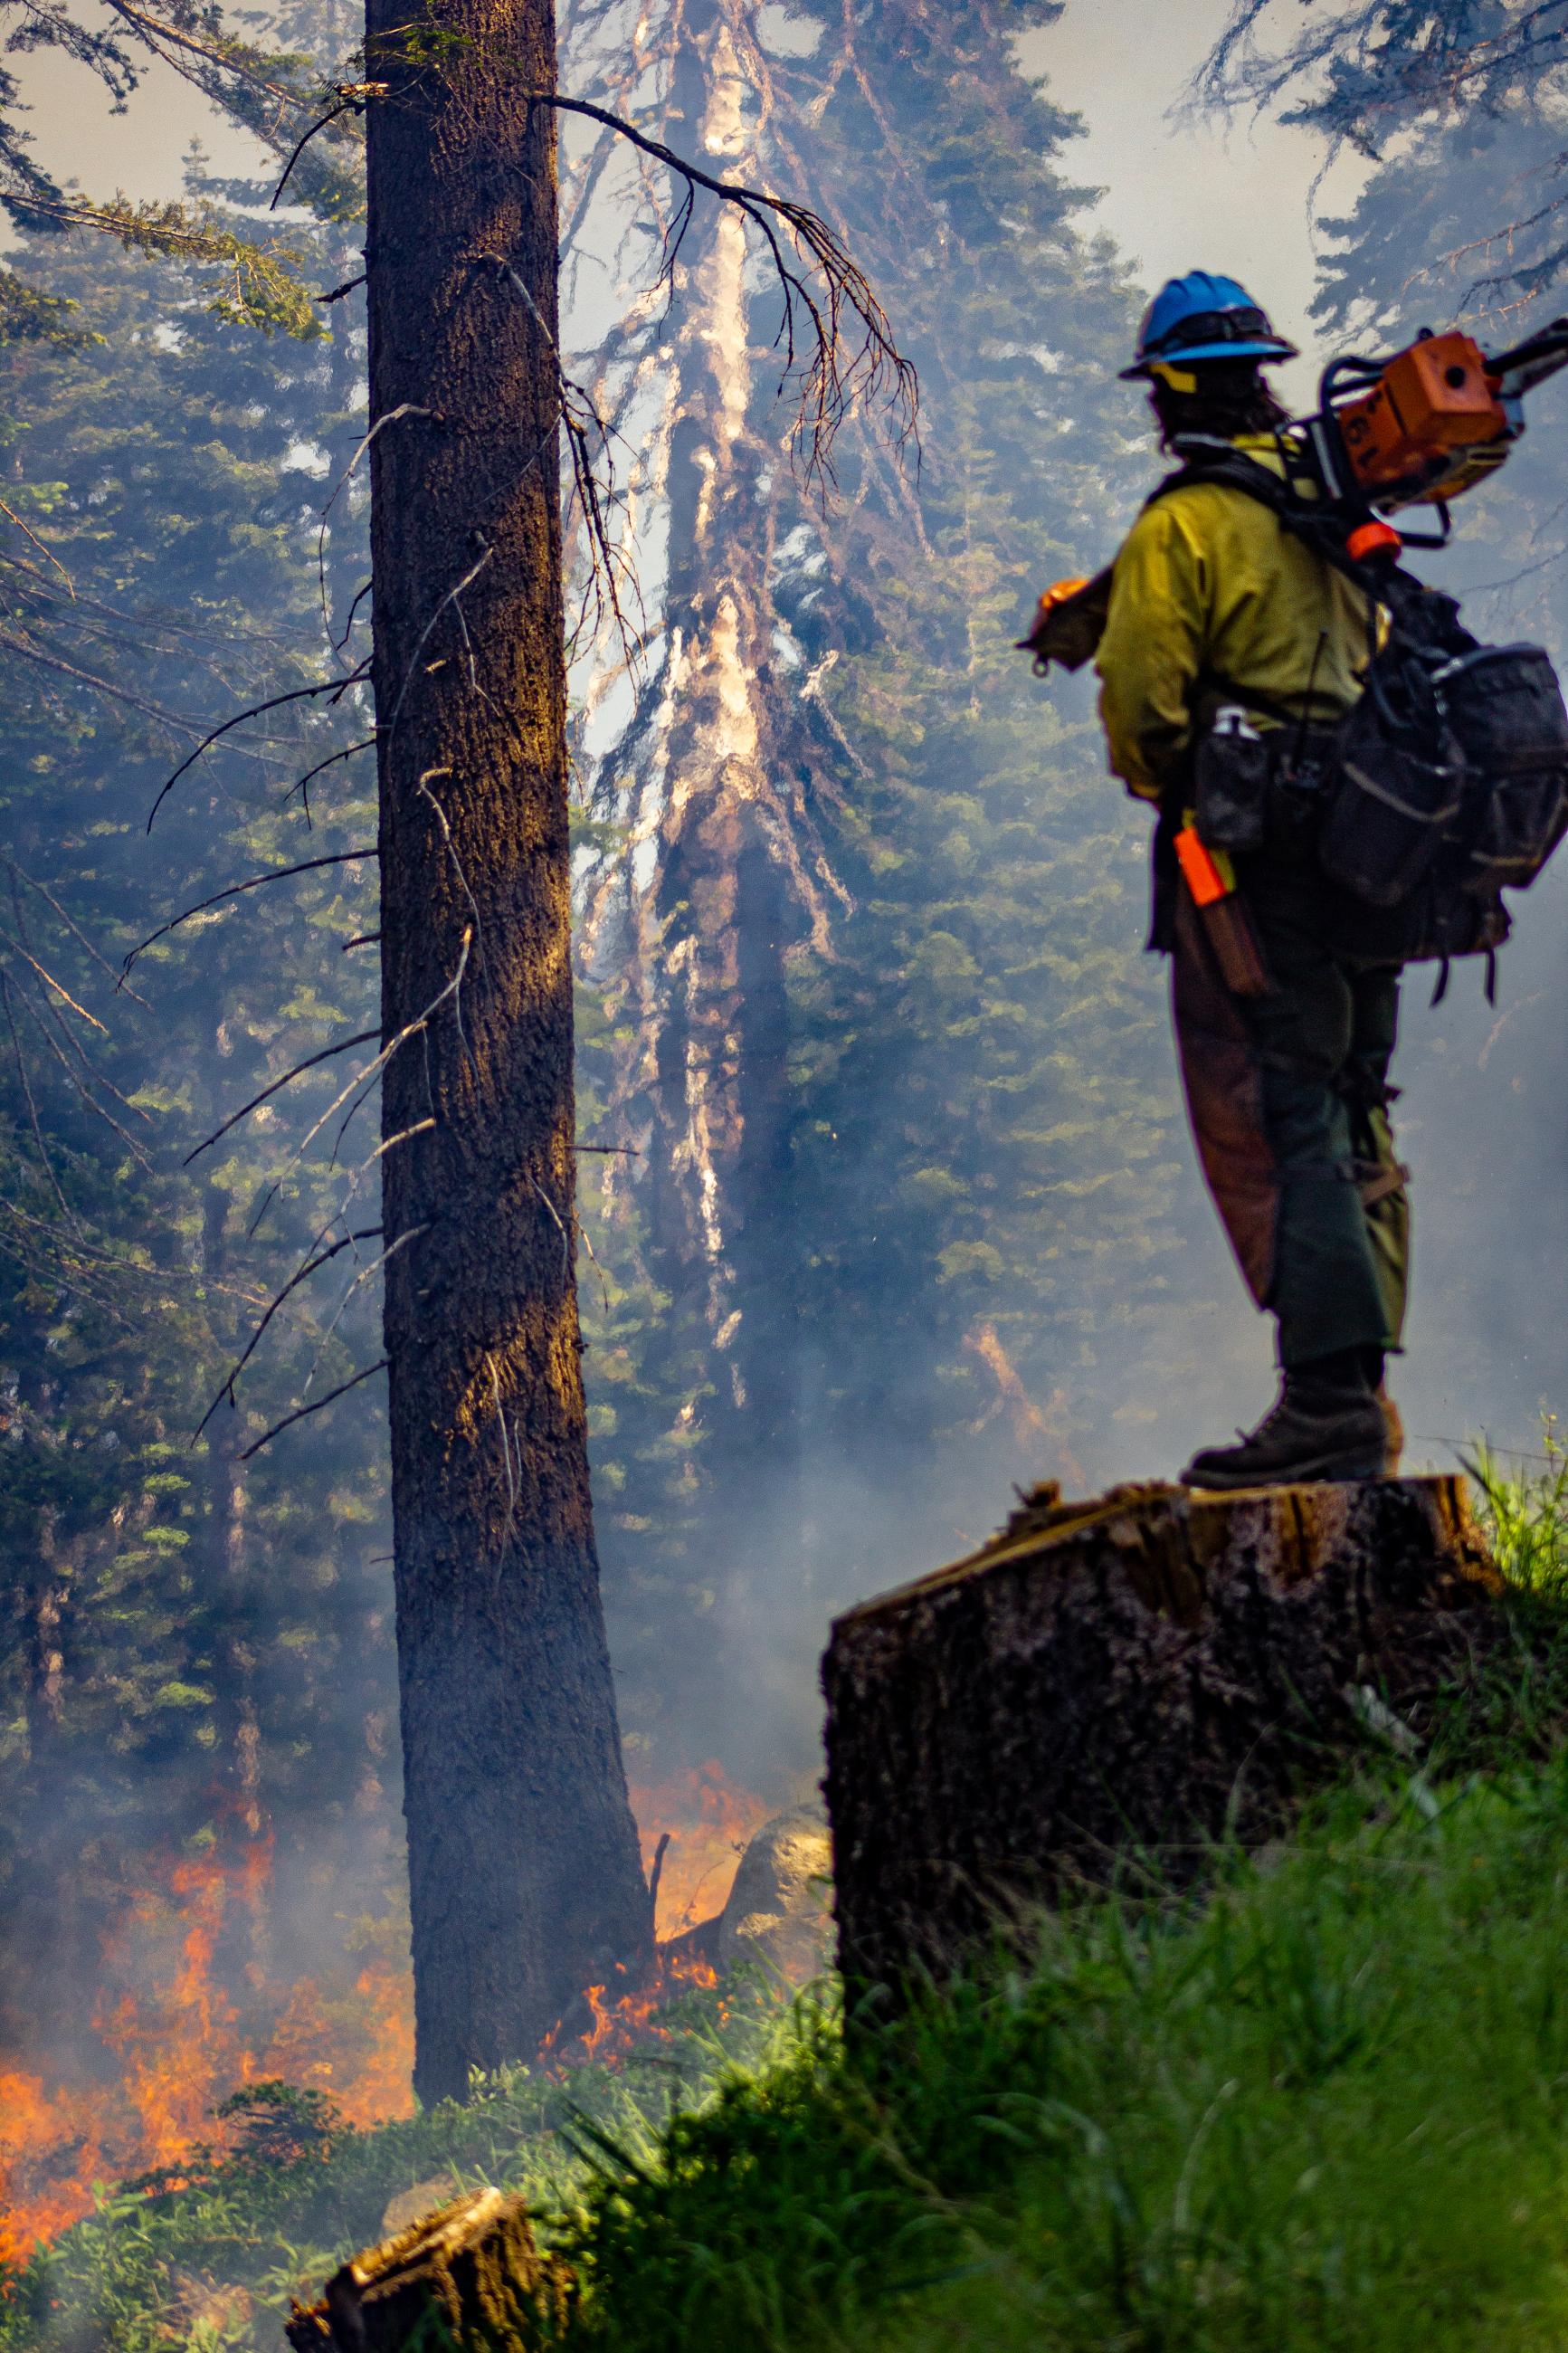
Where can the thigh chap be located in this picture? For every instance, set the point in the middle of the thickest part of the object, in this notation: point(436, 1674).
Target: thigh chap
point(1287, 1098)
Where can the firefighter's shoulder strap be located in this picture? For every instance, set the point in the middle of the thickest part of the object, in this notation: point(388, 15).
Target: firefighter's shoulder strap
point(1207, 458)
point(1071, 619)
point(1418, 610)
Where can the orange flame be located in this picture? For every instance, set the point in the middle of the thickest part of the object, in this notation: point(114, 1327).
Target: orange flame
point(188, 2019)
point(618, 2026)
point(708, 1821)
point(176, 2029)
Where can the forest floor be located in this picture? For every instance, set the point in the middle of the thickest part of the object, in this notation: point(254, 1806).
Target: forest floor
point(1322, 2105)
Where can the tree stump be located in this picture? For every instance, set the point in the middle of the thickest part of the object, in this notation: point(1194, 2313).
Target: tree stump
point(1110, 1686)
point(468, 2276)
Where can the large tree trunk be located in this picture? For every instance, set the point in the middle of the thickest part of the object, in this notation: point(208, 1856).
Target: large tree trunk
point(524, 1877)
point(1108, 1688)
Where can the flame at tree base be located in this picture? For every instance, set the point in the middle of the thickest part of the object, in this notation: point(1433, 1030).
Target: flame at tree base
point(189, 2012)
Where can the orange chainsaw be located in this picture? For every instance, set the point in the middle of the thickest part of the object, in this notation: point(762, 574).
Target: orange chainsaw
point(1414, 430)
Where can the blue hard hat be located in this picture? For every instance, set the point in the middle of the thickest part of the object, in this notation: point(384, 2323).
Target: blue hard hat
point(1201, 317)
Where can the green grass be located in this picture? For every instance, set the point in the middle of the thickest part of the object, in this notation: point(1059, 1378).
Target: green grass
point(1325, 2104)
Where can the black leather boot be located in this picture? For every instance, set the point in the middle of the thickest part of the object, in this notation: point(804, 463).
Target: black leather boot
point(1318, 1429)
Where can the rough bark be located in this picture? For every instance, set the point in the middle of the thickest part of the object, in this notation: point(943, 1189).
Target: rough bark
point(467, 2276)
point(524, 1877)
point(1106, 1688)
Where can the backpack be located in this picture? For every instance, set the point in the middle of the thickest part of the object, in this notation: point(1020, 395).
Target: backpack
point(1448, 780)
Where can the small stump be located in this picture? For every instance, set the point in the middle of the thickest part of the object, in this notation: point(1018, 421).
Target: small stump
point(1119, 1682)
point(466, 2276)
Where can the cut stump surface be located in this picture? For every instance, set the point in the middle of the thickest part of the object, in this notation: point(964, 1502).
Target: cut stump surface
point(1119, 1682)
point(468, 2276)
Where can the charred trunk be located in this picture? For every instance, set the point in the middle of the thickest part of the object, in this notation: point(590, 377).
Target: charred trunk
point(525, 1883)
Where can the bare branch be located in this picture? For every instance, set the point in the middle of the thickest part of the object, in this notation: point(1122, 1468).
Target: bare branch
point(829, 389)
point(331, 1398)
point(66, 1210)
point(350, 102)
point(59, 987)
point(425, 634)
point(47, 553)
point(340, 644)
point(273, 702)
point(409, 1234)
point(90, 1102)
point(565, 1237)
point(280, 874)
point(403, 408)
point(42, 661)
point(364, 1077)
point(302, 785)
point(657, 1873)
point(98, 958)
point(342, 1046)
point(578, 414)
point(300, 1276)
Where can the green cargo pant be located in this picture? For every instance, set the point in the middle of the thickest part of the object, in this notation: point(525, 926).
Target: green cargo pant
point(1288, 1099)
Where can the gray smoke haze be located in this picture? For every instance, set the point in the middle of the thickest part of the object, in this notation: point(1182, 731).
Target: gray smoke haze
point(1482, 1121)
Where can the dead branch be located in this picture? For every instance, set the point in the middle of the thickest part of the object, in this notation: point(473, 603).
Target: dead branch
point(451, 848)
point(98, 1078)
point(387, 1143)
point(350, 102)
point(342, 1046)
point(409, 1234)
point(656, 1875)
point(98, 958)
point(280, 874)
point(403, 408)
point(331, 1398)
point(364, 1077)
point(302, 785)
point(340, 644)
point(90, 1100)
point(300, 1276)
point(829, 388)
point(42, 661)
point(565, 1238)
point(66, 1210)
point(47, 553)
point(425, 634)
point(334, 686)
point(59, 987)
point(579, 418)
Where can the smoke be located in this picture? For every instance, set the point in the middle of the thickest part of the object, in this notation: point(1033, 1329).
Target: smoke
point(965, 1247)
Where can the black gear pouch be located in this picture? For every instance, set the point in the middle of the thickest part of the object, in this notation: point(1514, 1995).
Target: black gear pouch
point(1231, 769)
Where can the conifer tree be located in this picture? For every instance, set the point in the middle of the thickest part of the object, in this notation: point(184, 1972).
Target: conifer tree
point(525, 1881)
point(197, 1654)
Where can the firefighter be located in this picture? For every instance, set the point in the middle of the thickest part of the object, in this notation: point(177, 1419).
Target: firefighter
point(1213, 601)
